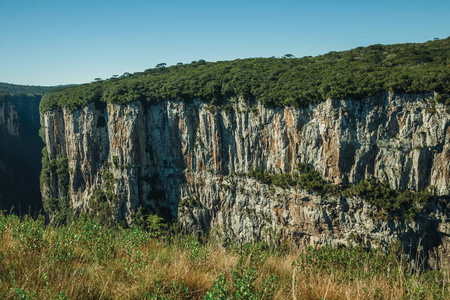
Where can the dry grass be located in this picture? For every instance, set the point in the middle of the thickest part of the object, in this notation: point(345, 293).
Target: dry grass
point(38, 262)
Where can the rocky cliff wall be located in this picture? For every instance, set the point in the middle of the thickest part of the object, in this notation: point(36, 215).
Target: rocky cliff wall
point(179, 160)
point(20, 154)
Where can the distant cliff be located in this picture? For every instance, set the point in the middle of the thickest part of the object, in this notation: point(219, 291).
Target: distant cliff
point(182, 160)
point(20, 153)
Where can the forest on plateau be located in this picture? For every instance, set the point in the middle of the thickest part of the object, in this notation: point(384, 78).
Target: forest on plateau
point(7, 89)
point(286, 81)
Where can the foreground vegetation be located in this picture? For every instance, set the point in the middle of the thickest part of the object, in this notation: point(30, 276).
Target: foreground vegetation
point(357, 73)
point(86, 260)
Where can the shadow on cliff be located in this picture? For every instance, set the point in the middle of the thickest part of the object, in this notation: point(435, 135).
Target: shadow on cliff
point(20, 156)
point(424, 244)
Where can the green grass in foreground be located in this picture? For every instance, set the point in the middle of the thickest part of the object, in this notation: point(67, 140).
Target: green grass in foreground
point(86, 260)
point(287, 81)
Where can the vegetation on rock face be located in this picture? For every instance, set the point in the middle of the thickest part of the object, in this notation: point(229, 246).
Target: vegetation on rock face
point(357, 73)
point(55, 175)
point(103, 202)
point(394, 203)
point(86, 260)
point(306, 178)
point(100, 207)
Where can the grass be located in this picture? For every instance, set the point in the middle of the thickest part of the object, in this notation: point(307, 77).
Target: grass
point(86, 260)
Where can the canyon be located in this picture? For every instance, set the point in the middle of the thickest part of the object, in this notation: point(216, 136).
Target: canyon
point(20, 154)
point(182, 160)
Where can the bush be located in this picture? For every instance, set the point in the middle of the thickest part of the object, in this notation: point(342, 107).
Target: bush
point(244, 275)
point(54, 180)
point(99, 207)
point(306, 178)
point(31, 234)
point(393, 202)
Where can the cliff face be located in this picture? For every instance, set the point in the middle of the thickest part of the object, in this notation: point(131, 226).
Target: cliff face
point(178, 159)
point(20, 154)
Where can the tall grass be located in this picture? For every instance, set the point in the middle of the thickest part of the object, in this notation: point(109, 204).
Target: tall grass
point(86, 260)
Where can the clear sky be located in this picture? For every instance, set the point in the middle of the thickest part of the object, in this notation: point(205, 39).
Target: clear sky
point(52, 42)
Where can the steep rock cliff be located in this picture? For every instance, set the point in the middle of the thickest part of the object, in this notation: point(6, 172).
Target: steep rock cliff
point(178, 159)
point(20, 154)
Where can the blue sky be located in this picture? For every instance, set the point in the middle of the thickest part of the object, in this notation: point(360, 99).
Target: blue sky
point(61, 42)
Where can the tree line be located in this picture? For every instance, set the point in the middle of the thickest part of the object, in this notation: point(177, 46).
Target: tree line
point(286, 81)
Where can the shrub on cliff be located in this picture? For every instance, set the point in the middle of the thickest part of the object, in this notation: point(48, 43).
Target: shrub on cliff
point(305, 177)
point(394, 202)
point(55, 176)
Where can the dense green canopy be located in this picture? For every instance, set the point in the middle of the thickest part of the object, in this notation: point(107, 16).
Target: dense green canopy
point(357, 73)
point(15, 89)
